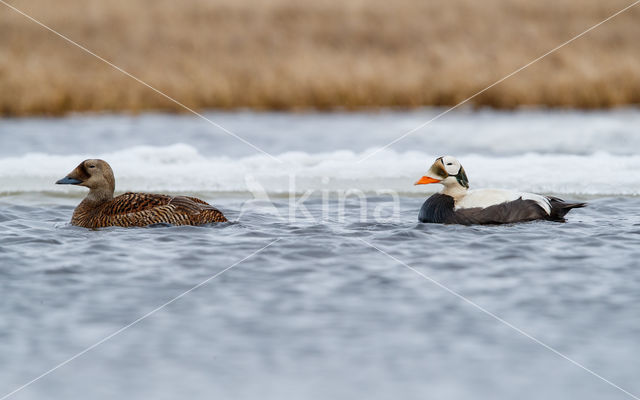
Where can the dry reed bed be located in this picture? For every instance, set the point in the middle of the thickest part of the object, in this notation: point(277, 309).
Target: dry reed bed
point(288, 54)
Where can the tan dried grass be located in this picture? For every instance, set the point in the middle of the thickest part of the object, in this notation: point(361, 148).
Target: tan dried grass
point(288, 54)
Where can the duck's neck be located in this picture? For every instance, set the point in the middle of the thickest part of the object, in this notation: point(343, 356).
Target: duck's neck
point(98, 196)
point(455, 191)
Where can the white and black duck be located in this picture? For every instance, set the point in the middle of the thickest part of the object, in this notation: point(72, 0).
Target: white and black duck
point(456, 204)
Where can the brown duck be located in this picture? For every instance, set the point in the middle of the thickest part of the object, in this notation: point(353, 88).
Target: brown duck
point(100, 208)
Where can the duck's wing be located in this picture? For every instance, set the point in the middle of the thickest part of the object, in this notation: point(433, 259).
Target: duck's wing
point(198, 211)
point(191, 204)
point(136, 209)
point(194, 199)
point(129, 203)
point(485, 198)
point(141, 209)
point(519, 210)
point(489, 206)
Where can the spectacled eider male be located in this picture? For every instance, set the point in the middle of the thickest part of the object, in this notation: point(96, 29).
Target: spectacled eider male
point(100, 209)
point(456, 204)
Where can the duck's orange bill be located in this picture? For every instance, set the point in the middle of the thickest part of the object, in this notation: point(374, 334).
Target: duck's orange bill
point(426, 180)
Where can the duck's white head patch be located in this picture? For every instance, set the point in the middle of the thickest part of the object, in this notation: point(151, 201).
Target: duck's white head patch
point(451, 165)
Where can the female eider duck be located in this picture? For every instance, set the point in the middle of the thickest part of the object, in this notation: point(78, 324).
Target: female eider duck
point(455, 204)
point(100, 208)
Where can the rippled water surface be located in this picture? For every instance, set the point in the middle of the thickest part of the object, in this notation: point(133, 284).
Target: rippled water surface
point(346, 300)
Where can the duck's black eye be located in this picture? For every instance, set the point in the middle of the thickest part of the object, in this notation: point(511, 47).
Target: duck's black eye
point(92, 166)
point(449, 163)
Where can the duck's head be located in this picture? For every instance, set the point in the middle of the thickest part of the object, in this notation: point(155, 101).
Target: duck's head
point(447, 171)
point(94, 174)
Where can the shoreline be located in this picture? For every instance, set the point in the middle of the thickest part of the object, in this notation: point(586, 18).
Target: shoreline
point(541, 108)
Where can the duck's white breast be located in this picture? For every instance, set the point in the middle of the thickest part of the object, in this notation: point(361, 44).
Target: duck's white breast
point(484, 198)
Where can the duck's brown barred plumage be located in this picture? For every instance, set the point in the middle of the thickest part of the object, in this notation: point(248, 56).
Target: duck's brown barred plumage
point(142, 209)
point(100, 209)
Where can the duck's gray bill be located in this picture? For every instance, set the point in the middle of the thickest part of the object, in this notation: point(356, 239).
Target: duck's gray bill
point(68, 181)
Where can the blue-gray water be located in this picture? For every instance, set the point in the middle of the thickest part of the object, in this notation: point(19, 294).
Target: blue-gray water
point(319, 313)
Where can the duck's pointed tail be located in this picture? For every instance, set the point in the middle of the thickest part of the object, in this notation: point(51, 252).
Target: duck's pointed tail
point(560, 208)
